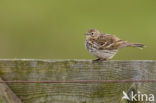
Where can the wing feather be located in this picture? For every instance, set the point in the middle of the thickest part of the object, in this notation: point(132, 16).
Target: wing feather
point(108, 42)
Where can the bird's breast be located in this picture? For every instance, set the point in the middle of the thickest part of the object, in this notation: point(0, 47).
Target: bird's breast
point(94, 50)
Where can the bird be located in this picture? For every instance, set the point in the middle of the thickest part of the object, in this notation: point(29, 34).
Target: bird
point(104, 46)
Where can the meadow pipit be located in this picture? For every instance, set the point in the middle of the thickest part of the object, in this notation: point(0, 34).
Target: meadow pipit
point(105, 46)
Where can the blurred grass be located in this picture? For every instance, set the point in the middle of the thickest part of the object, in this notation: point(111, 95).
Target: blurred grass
point(54, 29)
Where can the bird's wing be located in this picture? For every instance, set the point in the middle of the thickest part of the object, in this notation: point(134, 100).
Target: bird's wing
point(108, 42)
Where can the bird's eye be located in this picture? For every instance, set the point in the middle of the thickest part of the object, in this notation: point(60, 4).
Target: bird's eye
point(92, 33)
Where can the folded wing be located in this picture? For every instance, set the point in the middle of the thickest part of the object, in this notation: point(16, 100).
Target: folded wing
point(109, 42)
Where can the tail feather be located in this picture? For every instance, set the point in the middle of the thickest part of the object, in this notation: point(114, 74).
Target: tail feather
point(135, 45)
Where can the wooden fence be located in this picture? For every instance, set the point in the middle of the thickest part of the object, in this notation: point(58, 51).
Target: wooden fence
point(75, 81)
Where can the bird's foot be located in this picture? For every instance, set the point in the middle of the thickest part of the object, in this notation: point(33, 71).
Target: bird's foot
point(105, 59)
point(99, 59)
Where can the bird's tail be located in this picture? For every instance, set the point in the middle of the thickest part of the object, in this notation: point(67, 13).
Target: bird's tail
point(136, 45)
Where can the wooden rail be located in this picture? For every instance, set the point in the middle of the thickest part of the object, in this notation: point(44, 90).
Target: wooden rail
point(76, 81)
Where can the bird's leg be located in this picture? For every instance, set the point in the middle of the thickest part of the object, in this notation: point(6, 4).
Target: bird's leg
point(98, 59)
point(104, 59)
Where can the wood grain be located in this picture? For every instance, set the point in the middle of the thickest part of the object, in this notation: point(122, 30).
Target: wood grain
point(6, 94)
point(67, 70)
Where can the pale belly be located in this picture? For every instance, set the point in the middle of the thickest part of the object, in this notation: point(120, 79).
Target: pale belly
point(103, 54)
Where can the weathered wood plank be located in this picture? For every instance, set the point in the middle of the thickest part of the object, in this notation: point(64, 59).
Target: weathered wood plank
point(43, 70)
point(6, 94)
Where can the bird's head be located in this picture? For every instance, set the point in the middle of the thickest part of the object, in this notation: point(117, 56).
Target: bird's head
point(92, 33)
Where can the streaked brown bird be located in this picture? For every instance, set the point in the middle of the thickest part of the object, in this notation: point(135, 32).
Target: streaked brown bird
point(105, 46)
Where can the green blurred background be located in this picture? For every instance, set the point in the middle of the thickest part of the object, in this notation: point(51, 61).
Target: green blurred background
point(53, 29)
